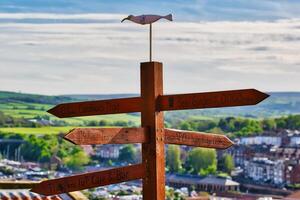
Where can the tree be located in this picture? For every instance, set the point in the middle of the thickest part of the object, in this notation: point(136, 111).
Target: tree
point(104, 123)
point(173, 158)
point(128, 153)
point(293, 122)
point(251, 127)
point(204, 125)
point(202, 159)
point(185, 126)
point(209, 170)
point(92, 123)
point(170, 194)
point(39, 148)
point(77, 160)
point(281, 123)
point(120, 123)
point(269, 124)
point(228, 163)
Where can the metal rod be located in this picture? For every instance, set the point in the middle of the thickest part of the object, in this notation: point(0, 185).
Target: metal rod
point(150, 38)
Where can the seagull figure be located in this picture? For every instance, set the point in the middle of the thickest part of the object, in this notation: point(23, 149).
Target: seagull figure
point(147, 19)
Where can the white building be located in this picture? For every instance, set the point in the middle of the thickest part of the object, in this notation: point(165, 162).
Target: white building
point(295, 141)
point(263, 169)
point(108, 151)
point(260, 140)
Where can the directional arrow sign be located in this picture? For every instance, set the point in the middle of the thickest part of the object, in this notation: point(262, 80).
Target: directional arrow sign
point(211, 99)
point(86, 136)
point(101, 107)
point(197, 139)
point(89, 180)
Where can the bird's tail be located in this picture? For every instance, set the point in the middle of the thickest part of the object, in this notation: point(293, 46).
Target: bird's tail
point(169, 17)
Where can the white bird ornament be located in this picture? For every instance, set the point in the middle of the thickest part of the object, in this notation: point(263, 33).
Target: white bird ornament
point(147, 19)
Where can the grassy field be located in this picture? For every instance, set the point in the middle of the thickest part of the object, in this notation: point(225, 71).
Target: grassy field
point(42, 130)
point(31, 110)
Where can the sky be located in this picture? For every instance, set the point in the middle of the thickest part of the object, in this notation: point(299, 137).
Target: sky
point(80, 47)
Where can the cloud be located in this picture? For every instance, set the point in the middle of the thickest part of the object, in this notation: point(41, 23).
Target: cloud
point(104, 57)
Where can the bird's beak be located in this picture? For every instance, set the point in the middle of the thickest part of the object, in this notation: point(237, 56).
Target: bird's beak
point(126, 18)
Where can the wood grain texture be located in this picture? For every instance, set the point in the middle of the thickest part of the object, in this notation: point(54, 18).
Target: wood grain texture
point(153, 151)
point(101, 107)
point(89, 180)
point(89, 136)
point(197, 139)
point(211, 99)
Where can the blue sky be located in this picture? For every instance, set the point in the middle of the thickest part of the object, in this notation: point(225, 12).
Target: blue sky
point(184, 10)
point(67, 47)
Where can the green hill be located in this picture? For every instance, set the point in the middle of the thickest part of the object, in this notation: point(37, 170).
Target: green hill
point(32, 105)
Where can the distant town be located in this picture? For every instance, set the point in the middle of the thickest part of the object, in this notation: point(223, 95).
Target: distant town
point(264, 164)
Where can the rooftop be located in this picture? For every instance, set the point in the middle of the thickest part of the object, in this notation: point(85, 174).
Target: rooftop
point(194, 179)
point(19, 190)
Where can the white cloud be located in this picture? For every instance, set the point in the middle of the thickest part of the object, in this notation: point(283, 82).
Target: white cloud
point(89, 16)
point(104, 57)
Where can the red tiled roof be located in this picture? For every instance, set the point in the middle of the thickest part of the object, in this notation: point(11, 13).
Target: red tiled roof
point(293, 196)
point(19, 190)
point(24, 195)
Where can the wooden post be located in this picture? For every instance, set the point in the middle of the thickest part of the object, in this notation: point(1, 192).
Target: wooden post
point(152, 135)
point(153, 121)
point(150, 38)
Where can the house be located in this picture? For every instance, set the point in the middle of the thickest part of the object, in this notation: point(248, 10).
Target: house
point(260, 140)
point(11, 190)
point(292, 174)
point(265, 170)
point(209, 183)
point(109, 151)
point(267, 159)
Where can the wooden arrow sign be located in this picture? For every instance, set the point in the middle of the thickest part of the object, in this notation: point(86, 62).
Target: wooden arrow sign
point(153, 136)
point(86, 136)
point(101, 107)
point(211, 99)
point(89, 180)
point(197, 139)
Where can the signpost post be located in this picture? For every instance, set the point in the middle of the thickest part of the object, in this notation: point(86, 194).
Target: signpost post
point(152, 134)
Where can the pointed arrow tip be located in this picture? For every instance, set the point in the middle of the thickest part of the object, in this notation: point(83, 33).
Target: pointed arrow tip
point(264, 96)
point(267, 95)
point(261, 95)
point(230, 143)
point(52, 111)
point(57, 111)
point(69, 138)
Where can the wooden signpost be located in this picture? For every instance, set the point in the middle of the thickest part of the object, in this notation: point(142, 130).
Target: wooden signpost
point(196, 139)
point(90, 180)
point(152, 135)
point(101, 107)
point(89, 136)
